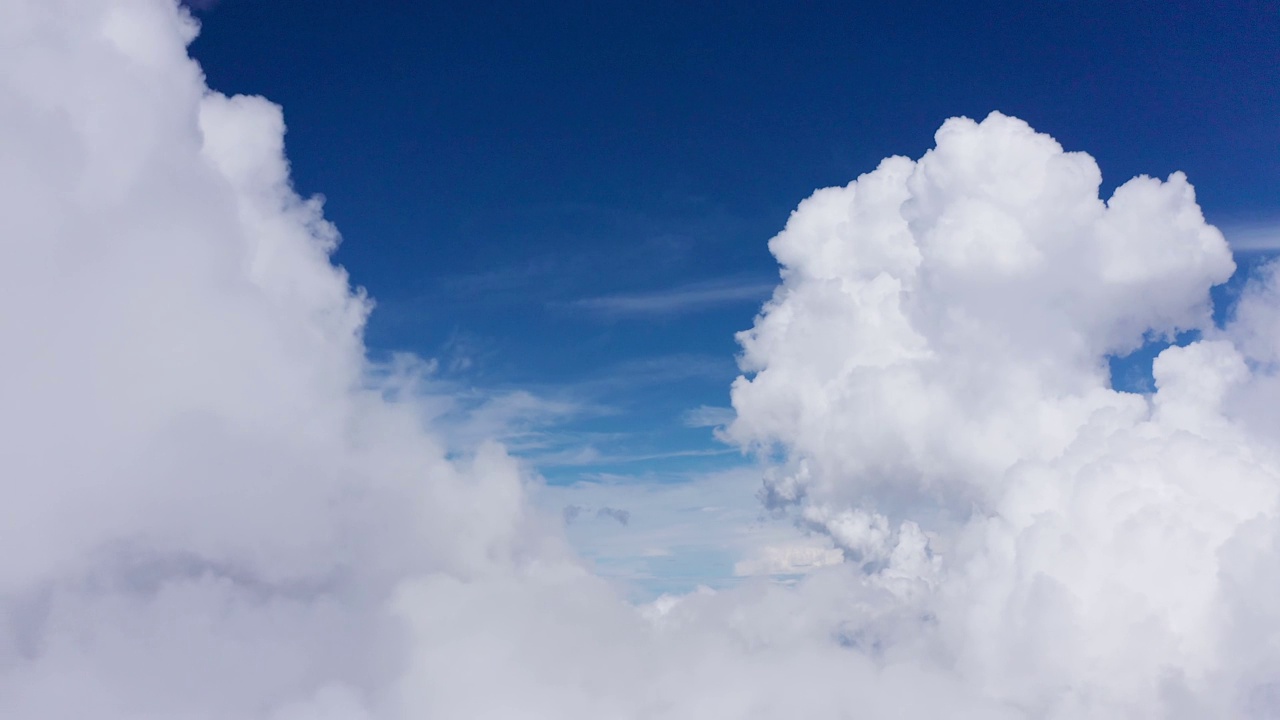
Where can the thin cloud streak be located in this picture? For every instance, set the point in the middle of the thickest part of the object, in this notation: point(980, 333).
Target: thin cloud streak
point(591, 457)
point(708, 416)
point(679, 299)
point(1254, 237)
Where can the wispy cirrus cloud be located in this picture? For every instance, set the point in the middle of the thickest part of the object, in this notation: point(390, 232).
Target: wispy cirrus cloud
point(1256, 236)
point(690, 297)
point(591, 456)
point(708, 416)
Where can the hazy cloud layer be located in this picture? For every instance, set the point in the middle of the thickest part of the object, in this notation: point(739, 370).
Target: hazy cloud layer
point(681, 531)
point(214, 506)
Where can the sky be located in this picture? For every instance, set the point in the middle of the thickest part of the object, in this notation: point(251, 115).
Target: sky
point(572, 200)
point(608, 363)
point(498, 168)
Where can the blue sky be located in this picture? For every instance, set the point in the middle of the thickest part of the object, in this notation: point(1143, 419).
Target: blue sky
point(567, 204)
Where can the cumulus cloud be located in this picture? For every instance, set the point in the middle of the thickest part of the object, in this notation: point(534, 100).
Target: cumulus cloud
point(932, 372)
point(215, 507)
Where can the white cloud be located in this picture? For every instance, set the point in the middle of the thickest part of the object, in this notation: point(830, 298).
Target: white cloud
point(708, 416)
point(933, 370)
point(214, 507)
point(1258, 236)
point(207, 510)
point(789, 559)
point(680, 299)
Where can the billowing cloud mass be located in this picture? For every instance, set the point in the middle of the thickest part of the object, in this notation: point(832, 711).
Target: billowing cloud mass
point(933, 374)
point(214, 507)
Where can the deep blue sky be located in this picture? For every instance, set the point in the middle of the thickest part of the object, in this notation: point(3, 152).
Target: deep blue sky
point(493, 165)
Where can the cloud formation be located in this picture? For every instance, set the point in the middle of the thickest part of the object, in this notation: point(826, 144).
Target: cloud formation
point(209, 503)
point(708, 416)
point(215, 507)
point(933, 370)
point(692, 297)
point(1258, 236)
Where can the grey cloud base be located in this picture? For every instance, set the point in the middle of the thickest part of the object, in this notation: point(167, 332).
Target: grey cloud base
point(213, 507)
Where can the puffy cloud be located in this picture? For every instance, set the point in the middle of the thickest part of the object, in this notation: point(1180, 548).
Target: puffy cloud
point(931, 377)
point(214, 506)
point(207, 503)
point(965, 305)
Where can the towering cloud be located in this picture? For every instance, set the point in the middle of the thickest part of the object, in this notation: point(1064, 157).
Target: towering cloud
point(934, 372)
point(213, 507)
